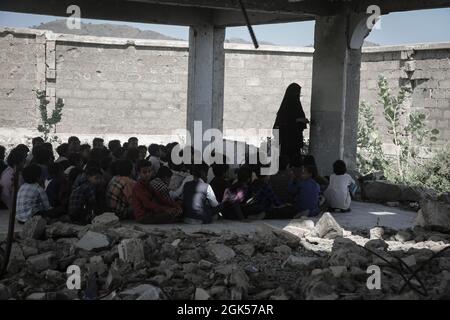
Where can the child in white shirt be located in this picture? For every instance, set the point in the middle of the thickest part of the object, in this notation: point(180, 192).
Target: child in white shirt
point(338, 192)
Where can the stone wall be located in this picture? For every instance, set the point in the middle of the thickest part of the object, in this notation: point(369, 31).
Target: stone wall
point(115, 88)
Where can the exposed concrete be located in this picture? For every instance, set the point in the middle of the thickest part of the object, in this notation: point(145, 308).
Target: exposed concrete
point(205, 77)
point(335, 93)
point(363, 216)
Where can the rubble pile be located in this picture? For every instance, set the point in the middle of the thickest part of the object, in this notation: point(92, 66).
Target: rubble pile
point(305, 260)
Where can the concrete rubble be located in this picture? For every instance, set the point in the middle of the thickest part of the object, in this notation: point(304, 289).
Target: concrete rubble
point(305, 260)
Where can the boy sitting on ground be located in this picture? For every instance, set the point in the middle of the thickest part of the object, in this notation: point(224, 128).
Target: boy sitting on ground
point(161, 182)
point(306, 192)
point(31, 198)
point(338, 192)
point(120, 190)
point(83, 204)
point(57, 186)
point(149, 207)
point(199, 201)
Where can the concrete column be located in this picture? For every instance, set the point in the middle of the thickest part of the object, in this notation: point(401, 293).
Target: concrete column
point(335, 90)
point(206, 77)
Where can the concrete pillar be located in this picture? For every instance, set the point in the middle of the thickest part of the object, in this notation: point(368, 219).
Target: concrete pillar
point(335, 89)
point(206, 77)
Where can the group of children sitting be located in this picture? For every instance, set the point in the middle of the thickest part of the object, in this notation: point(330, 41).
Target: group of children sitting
point(85, 181)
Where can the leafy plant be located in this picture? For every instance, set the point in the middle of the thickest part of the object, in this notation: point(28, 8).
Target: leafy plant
point(408, 131)
point(48, 124)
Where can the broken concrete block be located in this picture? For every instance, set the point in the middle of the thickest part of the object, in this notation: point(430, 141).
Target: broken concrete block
point(43, 261)
point(93, 241)
point(4, 292)
point(239, 279)
point(384, 191)
point(295, 261)
point(131, 250)
point(410, 261)
point(37, 296)
point(54, 276)
point(34, 228)
point(201, 294)
point(403, 236)
point(60, 230)
point(96, 265)
point(338, 271)
point(107, 219)
point(328, 228)
point(376, 233)
point(283, 249)
point(143, 292)
point(127, 233)
point(113, 279)
point(204, 264)
point(221, 252)
point(247, 249)
point(435, 214)
point(176, 242)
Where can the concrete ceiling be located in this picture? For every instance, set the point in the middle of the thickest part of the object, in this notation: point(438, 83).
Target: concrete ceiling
point(217, 12)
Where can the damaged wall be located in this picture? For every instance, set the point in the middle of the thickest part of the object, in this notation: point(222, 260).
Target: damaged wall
point(114, 87)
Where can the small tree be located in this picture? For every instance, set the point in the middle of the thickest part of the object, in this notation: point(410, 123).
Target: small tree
point(370, 155)
point(409, 132)
point(48, 124)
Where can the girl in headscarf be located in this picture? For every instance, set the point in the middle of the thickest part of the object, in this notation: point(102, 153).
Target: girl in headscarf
point(291, 122)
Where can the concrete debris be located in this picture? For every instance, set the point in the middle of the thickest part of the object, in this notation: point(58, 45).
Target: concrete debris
point(322, 263)
point(34, 228)
point(131, 250)
point(93, 241)
point(107, 219)
point(328, 228)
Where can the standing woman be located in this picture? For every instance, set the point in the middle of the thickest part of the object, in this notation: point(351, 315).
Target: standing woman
point(291, 122)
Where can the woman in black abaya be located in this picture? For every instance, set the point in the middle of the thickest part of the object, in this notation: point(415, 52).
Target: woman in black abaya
point(291, 122)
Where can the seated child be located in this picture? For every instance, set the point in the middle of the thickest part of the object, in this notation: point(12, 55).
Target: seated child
point(149, 206)
point(57, 186)
point(199, 201)
point(120, 189)
point(306, 191)
point(219, 183)
point(31, 198)
point(235, 197)
point(265, 198)
point(338, 192)
point(161, 182)
point(83, 203)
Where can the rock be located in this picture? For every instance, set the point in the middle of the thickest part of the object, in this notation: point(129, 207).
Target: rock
point(283, 249)
point(328, 228)
point(376, 233)
point(189, 256)
point(247, 249)
point(338, 271)
point(54, 276)
point(403, 236)
point(131, 250)
point(4, 292)
point(34, 228)
point(127, 233)
point(410, 261)
point(201, 294)
point(93, 241)
point(43, 261)
point(294, 261)
point(239, 279)
point(384, 191)
point(176, 242)
point(218, 291)
point(236, 294)
point(29, 251)
point(435, 214)
point(348, 258)
point(60, 230)
point(107, 219)
point(143, 292)
point(37, 296)
point(204, 264)
point(376, 244)
point(303, 223)
point(221, 252)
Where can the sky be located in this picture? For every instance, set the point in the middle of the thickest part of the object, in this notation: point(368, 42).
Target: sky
point(396, 28)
